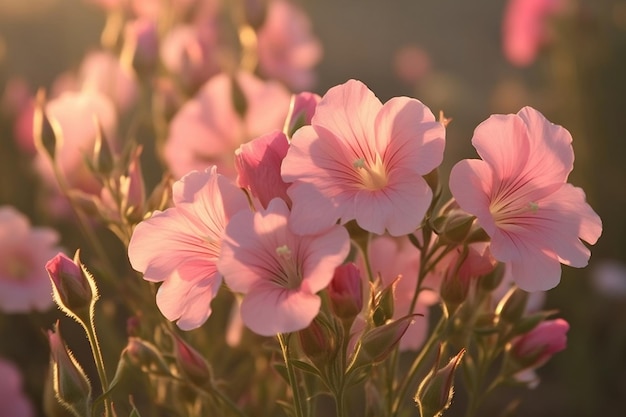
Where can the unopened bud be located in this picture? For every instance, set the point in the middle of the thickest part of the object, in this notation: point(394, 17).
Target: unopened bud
point(384, 304)
point(302, 109)
point(74, 289)
point(191, 363)
point(145, 356)
point(536, 347)
point(346, 292)
point(435, 393)
point(43, 132)
point(317, 343)
point(512, 306)
point(70, 383)
point(133, 189)
point(102, 156)
point(379, 342)
point(457, 227)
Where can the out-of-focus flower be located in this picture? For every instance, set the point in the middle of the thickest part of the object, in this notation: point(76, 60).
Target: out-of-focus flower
point(18, 102)
point(141, 43)
point(258, 167)
point(207, 129)
point(24, 283)
point(525, 28)
point(391, 258)
point(287, 48)
point(609, 278)
point(103, 72)
point(363, 160)
point(520, 196)
point(190, 52)
point(411, 63)
point(180, 246)
point(278, 272)
point(13, 402)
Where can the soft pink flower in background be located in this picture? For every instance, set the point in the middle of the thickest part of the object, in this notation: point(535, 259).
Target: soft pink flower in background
point(13, 402)
point(141, 41)
point(363, 160)
point(609, 278)
point(24, 251)
point(258, 167)
point(18, 102)
point(287, 48)
point(103, 72)
point(519, 194)
point(180, 246)
point(208, 129)
point(525, 28)
point(392, 257)
point(411, 64)
point(278, 272)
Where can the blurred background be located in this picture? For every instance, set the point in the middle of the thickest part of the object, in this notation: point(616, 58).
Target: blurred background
point(451, 55)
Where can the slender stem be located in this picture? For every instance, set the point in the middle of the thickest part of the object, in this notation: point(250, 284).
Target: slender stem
point(97, 356)
point(297, 400)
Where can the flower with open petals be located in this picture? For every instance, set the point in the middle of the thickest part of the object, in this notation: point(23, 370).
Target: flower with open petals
point(363, 160)
point(520, 196)
point(180, 245)
point(279, 272)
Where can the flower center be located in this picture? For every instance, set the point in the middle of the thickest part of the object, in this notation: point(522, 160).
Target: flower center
point(373, 175)
point(288, 276)
point(511, 212)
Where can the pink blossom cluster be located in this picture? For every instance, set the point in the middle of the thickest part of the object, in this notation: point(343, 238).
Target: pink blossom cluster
point(277, 233)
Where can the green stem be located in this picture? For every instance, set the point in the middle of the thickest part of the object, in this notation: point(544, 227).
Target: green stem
point(297, 400)
point(97, 356)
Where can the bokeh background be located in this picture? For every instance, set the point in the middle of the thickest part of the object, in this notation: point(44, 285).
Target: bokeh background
point(448, 54)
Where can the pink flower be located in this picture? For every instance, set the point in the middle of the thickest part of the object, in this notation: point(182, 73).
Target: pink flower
point(363, 160)
point(24, 251)
point(304, 105)
point(180, 245)
point(525, 29)
point(536, 347)
point(520, 196)
point(397, 257)
point(208, 128)
point(13, 402)
point(258, 167)
point(278, 271)
point(287, 49)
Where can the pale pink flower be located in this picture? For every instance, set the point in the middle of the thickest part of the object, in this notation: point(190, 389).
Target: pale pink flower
point(391, 258)
point(190, 52)
point(13, 402)
point(207, 129)
point(278, 272)
point(520, 196)
point(104, 73)
point(24, 252)
point(525, 28)
point(180, 246)
point(411, 64)
point(287, 48)
point(363, 160)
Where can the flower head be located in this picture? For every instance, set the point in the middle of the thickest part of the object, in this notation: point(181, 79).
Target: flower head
point(363, 160)
point(180, 246)
point(279, 272)
point(520, 197)
point(24, 251)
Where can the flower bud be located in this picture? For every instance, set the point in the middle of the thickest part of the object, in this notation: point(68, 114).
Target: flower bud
point(303, 107)
point(102, 156)
point(512, 306)
point(457, 227)
point(346, 292)
point(133, 189)
point(536, 347)
point(73, 288)
point(258, 167)
point(317, 343)
point(70, 383)
point(43, 132)
point(384, 304)
point(145, 356)
point(190, 362)
point(434, 394)
point(379, 342)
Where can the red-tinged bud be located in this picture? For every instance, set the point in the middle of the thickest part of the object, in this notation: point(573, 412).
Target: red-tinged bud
point(346, 292)
point(317, 343)
point(379, 342)
point(512, 306)
point(258, 167)
point(145, 356)
point(191, 363)
point(70, 383)
point(435, 393)
point(302, 109)
point(74, 289)
point(536, 347)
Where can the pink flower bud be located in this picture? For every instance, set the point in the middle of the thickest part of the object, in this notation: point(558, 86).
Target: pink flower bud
point(258, 167)
point(71, 286)
point(379, 342)
point(190, 362)
point(141, 40)
point(317, 343)
point(536, 347)
point(304, 105)
point(346, 291)
point(434, 394)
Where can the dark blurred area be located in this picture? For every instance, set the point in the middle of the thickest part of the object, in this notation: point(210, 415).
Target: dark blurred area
point(449, 55)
